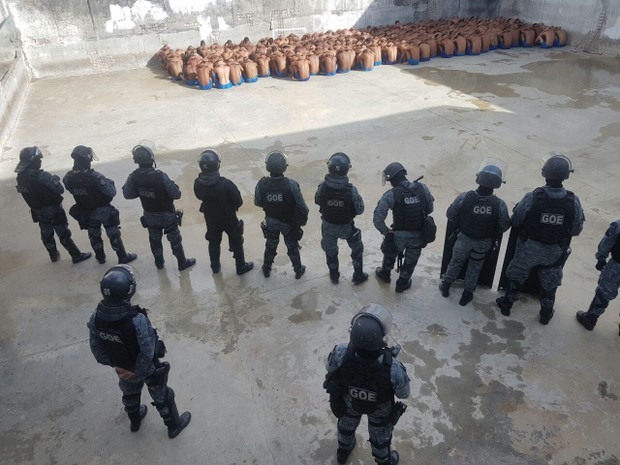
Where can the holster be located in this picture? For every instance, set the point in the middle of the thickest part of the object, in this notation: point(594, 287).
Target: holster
point(240, 227)
point(397, 410)
point(263, 228)
point(35, 217)
point(79, 215)
point(336, 398)
point(143, 222)
point(179, 216)
point(388, 247)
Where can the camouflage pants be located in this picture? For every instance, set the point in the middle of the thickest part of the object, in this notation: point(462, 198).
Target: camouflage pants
point(272, 239)
point(157, 227)
point(108, 217)
point(329, 243)
point(379, 430)
point(470, 252)
point(607, 289)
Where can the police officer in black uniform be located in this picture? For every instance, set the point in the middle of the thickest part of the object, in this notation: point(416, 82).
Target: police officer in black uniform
point(220, 201)
point(93, 194)
point(363, 376)
point(339, 203)
point(285, 212)
point(480, 217)
point(42, 192)
point(121, 336)
point(157, 194)
point(546, 220)
point(411, 203)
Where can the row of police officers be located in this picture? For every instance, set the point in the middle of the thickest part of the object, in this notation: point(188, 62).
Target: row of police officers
point(363, 375)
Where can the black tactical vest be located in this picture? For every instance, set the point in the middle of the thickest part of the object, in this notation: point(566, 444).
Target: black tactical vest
point(478, 215)
point(368, 384)
point(550, 220)
point(336, 205)
point(34, 192)
point(409, 208)
point(85, 188)
point(615, 251)
point(277, 198)
point(214, 206)
point(150, 188)
point(119, 339)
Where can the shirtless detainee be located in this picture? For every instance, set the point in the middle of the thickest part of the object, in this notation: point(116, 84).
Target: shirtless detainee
point(221, 75)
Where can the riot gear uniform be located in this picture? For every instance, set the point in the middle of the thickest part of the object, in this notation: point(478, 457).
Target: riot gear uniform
point(411, 204)
point(609, 280)
point(545, 219)
point(285, 213)
point(93, 194)
point(43, 194)
point(479, 218)
point(220, 201)
point(339, 203)
point(121, 336)
point(363, 377)
point(157, 193)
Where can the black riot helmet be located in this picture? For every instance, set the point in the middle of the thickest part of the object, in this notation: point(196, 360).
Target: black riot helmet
point(29, 157)
point(490, 176)
point(276, 162)
point(118, 284)
point(83, 153)
point(209, 161)
point(339, 164)
point(143, 154)
point(392, 170)
point(370, 327)
point(556, 167)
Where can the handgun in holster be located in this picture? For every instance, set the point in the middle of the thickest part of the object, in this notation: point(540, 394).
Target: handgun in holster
point(179, 216)
point(397, 411)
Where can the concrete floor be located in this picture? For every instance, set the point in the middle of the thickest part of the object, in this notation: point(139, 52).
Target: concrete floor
point(248, 353)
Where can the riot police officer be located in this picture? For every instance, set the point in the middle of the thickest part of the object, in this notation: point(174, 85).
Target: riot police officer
point(285, 212)
point(93, 194)
point(480, 218)
point(363, 376)
point(121, 336)
point(340, 203)
point(411, 203)
point(157, 193)
point(220, 201)
point(42, 192)
point(546, 220)
point(609, 280)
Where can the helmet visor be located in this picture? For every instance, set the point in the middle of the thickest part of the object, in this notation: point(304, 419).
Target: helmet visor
point(379, 313)
point(494, 166)
point(551, 155)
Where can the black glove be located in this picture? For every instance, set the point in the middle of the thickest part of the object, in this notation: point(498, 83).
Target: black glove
point(600, 264)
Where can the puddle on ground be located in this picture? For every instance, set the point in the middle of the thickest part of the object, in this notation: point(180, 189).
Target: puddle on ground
point(582, 79)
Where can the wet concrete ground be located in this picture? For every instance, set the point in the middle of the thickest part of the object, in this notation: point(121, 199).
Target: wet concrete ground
point(248, 353)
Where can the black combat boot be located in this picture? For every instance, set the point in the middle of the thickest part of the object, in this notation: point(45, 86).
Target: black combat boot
point(333, 265)
point(159, 262)
point(546, 314)
point(392, 459)
point(402, 285)
point(216, 267)
point(359, 277)
point(383, 274)
point(334, 277)
point(299, 272)
point(54, 255)
point(505, 303)
point(136, 418)
point(266, 270)
point(342, 455)
point(184, 263)
point(444, 288)
point(76, 255)
point(466, 297)
point(244, 267)
point(587, 319)
point(124, 257)
point(100, 256)
point(170, 414)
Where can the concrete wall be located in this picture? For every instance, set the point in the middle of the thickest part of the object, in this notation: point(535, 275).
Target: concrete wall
point(13, 93)
point(68, 37)
point(578, 18)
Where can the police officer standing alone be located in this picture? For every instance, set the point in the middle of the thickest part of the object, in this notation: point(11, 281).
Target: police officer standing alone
point(481, 218)
point(157, 194)
point(121, 336)
point(42, 192)
point(340, 203)
point(411, 203)
point(220, 201)
point(285, 212)
point(363, 376)
point(546, 219)
point(609, 281)
point(93, 194)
